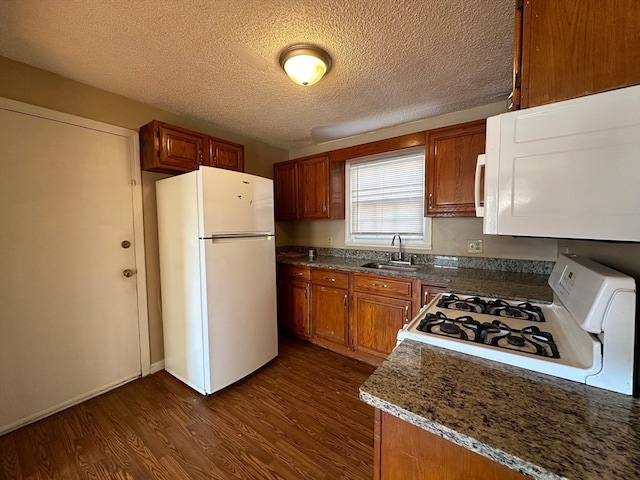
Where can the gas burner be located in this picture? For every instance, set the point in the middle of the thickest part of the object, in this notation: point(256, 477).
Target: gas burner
point(464, 328)
point(527, 340)
point(523, 311)
point(469, 304)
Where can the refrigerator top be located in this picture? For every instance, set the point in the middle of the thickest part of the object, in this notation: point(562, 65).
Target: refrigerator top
point(234, 203)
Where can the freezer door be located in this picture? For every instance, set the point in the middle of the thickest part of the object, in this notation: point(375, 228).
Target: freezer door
point(234, 202)
point(241, 308)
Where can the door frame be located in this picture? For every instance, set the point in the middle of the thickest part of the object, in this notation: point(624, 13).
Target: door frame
point(136, 201)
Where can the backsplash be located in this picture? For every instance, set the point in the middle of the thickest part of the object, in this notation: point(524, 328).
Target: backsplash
point(443, 261)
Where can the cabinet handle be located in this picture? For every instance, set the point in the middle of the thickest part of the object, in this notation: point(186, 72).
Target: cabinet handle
point(324, 208)
point(297, 274)
point(379, 285)
point(431, 200)
point(329, 279)
point(306, 293)
point(406, 314)
point(345, 301)
point(426, 298)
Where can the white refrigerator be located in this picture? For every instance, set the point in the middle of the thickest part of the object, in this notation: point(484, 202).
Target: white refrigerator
point(217, 273)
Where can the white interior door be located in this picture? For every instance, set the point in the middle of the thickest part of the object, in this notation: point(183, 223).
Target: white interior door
point(69, 317)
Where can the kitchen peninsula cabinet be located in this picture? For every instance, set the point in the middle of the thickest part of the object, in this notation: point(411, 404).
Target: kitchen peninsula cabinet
point(406, 451)
point(568, 48)
point(294, 300)
point(330, 308)
point(167, 148)
point(451, 158)
point(381, 306)
point(309, 188)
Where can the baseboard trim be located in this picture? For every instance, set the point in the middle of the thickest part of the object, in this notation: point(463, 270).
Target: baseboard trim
point(157, 366)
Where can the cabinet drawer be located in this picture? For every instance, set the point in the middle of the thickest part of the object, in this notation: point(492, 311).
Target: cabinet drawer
point(382, 285)
point(296, 272)
point(330, 278)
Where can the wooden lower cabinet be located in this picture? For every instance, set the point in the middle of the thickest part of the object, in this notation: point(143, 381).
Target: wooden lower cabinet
point(427, 292)
point(358, 315)
point(330, 307)
point(381, 306)
point(376, 321)
point(294, 300)
point(403, 451)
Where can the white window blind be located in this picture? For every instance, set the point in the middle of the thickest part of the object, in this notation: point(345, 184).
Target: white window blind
point(386, 196)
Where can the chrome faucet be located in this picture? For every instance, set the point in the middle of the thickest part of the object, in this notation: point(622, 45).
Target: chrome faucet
point(399, 258)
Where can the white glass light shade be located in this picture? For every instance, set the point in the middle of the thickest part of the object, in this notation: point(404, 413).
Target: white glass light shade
point(305, 64)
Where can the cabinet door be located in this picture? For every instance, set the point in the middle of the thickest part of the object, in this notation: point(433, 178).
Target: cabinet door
point(297, 302)
point(376, 321)
point(428, 293)
point(329, 313)
point(180, 149)
point(572, 48)
point(314, 188)
point(226, 155)
point(285, 183)
point(451, 161)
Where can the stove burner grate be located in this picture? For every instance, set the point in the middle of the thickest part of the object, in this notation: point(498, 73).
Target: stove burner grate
point(498, 307)
point(530, 340)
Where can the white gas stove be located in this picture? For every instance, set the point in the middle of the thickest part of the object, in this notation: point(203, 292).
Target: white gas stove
point(587, 334)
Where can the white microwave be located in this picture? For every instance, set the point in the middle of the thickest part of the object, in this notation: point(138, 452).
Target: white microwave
point(566, 170)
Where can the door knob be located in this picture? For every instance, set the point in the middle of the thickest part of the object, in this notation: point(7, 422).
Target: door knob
point(128, 272)
point(125, 244)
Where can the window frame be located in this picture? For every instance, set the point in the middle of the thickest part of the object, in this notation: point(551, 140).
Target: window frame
point(385, 240)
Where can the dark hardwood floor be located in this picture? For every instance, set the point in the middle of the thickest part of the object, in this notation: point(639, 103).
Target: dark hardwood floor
point(299, 417)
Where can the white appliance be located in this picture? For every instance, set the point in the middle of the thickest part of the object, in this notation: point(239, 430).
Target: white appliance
point(217, 272)
point(566, 170)
point(587, 334)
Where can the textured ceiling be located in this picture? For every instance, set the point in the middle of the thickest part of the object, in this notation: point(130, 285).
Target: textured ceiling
point(217, 60)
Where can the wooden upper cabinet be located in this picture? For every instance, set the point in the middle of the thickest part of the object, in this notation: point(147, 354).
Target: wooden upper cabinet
point(226, 155)
point(314, 187)
point(285, 183)
point(169, 149)
point(451, 158)
point(309, 188)
point(569, 48)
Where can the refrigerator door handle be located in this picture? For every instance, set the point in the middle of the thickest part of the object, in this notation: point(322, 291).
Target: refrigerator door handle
point(223, 236)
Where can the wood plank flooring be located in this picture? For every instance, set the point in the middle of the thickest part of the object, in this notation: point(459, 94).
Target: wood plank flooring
point(299, 417)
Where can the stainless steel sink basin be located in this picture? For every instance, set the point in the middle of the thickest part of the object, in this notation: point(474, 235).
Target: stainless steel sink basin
point(387, 266)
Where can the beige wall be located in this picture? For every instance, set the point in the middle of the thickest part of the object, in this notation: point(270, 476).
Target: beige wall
point(31, 85)
point(450, 237)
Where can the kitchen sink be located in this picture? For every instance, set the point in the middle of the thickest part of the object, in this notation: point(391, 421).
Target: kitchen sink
point(388, 266)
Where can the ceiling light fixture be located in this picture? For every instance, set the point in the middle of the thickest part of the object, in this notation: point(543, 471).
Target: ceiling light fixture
point(305, 64)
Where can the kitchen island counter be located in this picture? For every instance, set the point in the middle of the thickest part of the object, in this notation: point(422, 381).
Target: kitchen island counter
point(542, 426)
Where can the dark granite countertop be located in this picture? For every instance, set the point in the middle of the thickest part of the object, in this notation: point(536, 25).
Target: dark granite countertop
point(473, 281)
point(542, 426)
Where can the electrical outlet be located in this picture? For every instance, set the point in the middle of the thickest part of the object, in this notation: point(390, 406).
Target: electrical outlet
point(474, 246)
point(329, 241)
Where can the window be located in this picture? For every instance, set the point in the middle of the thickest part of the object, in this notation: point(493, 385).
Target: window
point(385, 196)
